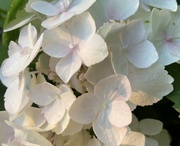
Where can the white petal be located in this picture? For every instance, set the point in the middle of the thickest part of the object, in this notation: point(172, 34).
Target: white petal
point(165, 56)
point(27, 36)
point(54, 112)
point(133, 33)
point(19, 22)
point(62, 124)
point(67, 96)
point(36, 48)
point(105, 10)
point(119, 113)
point(142, 55)
point(67, 66)
point(72, 128)
point(134, 138)
point(16, 62)
point(134, 124)
point(106, 132)
point(150, 126)
point(85, 109)
point(79, 6)
point(149, 94)
point(29, 137)
point(104, 70)
point(114, 86)
point(160, 21)
point(163, 138)
point(7, 81)
point(45, 8)
point(120, 9)
point(32, 117)
point(171, 5)
point(14, 96)
point(6, 131)
point(93, 50)
point(151, 142)
point(13, 48)
point(55, 21)
point(81, 27)
point(43, 94)
point(56, 50)
point(94, 142)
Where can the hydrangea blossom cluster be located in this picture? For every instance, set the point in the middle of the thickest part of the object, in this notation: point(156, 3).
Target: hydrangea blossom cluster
point(78, 71)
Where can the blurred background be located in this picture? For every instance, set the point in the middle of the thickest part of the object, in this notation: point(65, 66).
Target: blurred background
point(162, 111)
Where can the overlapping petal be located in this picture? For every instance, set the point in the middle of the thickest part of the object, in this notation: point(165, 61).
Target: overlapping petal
point(85, 109)
point(68, 65)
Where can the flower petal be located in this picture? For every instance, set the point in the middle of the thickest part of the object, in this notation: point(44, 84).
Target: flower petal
point(151, 142)
point(43, 94)
point(93, 50)
point(62, 124)
point(133, 33)
point(55, 21)
point(28, 36)
point(19, 22)
point(104, 70)
point(134, 138)
point(114, 86)
point(150, 126)
point(81, 27)
point(72, 128)
point(85, 109)
point(142, 55)
point(93, 142)
point(120, 9)
point(149, 94)
point(119, 113)
point(79, 6)
point(56, 50)
point(106, 132)
point(13, 48)
point(45, 8)
point(67, 66)
point(54, 112)
point(16, 62)
point(14, 96)
point(171, 5)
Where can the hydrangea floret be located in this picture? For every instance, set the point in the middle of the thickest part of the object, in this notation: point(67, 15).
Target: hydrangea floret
point(75, 74)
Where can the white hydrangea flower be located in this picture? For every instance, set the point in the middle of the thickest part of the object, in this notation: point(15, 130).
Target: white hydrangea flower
point(149, 85)
point(16, 98)
point(59, 11)
point(76, 43)
point(94, 142)
point(106, 108)
point(79, 139)
point(20, 56)
point(24, 137)
point(152, 129)
point(162, 4)
point(6, 132)
point(31, 119)
point(55, 101)
point(128, 44)
point(105, 10)
point(165, 35)
point(133, 139)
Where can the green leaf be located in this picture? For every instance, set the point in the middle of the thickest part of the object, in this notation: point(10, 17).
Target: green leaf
point(174, 71)
point(4, 4)
point(16, 5)
point(3, 53)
